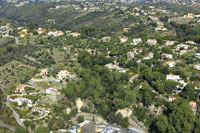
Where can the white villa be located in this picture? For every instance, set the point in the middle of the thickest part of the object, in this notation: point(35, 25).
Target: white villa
point(106, 39)
point(166, 56)
point(56, 33)
point(169, 43)
point(172, 98)
point(173, 77)
point(197, 66)
point(63, 74)
point(53, 90)
point(21, 100)
point(136, 41)
point(176, 78)
point(151, 41)
point(197, 55)
point(115, 67)
point(44, 72)
point(191, 42)
point(170, 63)
point(149, 56)
point(123, 39)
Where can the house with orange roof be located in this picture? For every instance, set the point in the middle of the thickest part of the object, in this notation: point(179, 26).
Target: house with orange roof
point(172, 98)
point(41, 31)
point(75, 34)
point(20, 88)
point(166, 56)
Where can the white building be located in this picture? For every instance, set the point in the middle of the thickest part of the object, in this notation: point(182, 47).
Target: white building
point(75, 34)
point(172, 98)
point(56, 33)
point(130, 54)
point(136, 41)
point(40, 30)
point(63, 74)
point(170, 63)
point(166, 56)
point(181, 47)
point(115, 67)
point(169, 43)
point(53, 90)
point(21, 100)
point(44, 72)
point(149, 56)
point(197, 66)
point(193, 104)
point(173, 77)
point(123, 39)
point(151, 41)
point(191, 42)
point(197, 55)
point(106, 39)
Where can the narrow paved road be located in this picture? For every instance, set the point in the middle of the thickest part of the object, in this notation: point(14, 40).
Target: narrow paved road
point(7, 126)
point(15, 114)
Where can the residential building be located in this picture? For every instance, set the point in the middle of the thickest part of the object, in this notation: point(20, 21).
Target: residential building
point(20, 88)
point(173, 77)
point(182, 47)
point(106, 39)
point(41, 31)
point(149, 56)
point(123, 39)
point(169, 43)
point(197, 55)
point(38, 109)
point(75, 34)
point(130, 54)
point(126, 29)
point(170, 63)
point(44, 72)
point(55, 34)
point(21, 100)
point(153, 18)
point(193, 104)
point(115, 67)
point(197, 66)
point(53, 90)
point(191, 42)
point(151, 41)
point(166, 56)
point(172, 98)
point(136, 41)
point(63, 74)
